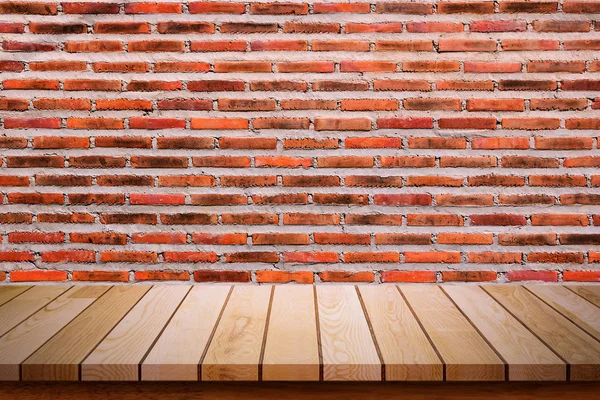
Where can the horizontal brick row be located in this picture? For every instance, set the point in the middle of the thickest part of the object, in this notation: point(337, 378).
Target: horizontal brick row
point(238, 46)
point(324, 238)
point(305, 123)
point(225, 104)
point(535, 66)
point(276, 276)
point(300, 8)
point(299, 257)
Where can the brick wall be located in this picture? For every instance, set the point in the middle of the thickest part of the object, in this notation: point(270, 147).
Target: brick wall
point(273, 142)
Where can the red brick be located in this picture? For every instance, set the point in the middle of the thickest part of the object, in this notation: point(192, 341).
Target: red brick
point(162, 276)
point(385, 27)
point(38, 276)
point(403, 8)
point(467, 45)
point(304, 66)
point(465, 238)
point(221, 276)
point(94, 46)
point(542, 7)
point(69, 256)
point(152, 8)
point(101, 276)
point(542, 257)
point(185, 27)
point(488, 257)
point(202, 7)
point(36, 237)
point(431, 257)
point(403, 238)
point(467, 123)
point(498, 26)
point(408, 276)
point(581, 276)
point(156, 46)
point(469, 276)
point(527, 275)
point(267, 276)
point(485, 67)
point(122, 27)
point(561, 26)
point(87, 8)
point(507, 239)
point(345, 276)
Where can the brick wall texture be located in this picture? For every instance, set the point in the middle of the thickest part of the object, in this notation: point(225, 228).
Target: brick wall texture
point(300, 141)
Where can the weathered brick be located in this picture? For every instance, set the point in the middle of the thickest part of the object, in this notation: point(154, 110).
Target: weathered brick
point(323, 115)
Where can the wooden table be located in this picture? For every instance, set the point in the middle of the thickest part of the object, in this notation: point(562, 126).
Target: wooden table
point(300, 333)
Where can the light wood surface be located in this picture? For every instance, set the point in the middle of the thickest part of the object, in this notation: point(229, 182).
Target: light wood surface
point(349, 352)
point(528, 358)
point(118, 355)
point(22, 341)
point(291, 347)
point(22, 307)
point(466, 354)
point(176, 354)
point(574, 345)
point(8, 292)
point(60, 357)
point(589, 292)
point(407, 353)
point(579, 311)
point(235, 350)
point(296, 332)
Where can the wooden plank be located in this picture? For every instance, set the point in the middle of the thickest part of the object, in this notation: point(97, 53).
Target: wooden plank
point(578, 310)
point(292, 348)
point(575, 346)
point(117, 357)
point(235, 349)
point(406, 351)
point(527, 357)
point(8, 292)
point(60, 357)
point(27, 337)
point(349, 352)
point(589, 292)
point(466, 354)
point(22, 307)
point(178, 351)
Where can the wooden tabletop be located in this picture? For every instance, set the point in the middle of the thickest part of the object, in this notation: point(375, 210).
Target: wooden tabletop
point(300, 333)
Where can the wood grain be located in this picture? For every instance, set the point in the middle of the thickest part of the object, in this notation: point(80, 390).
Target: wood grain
point(575, 346)
point(407, 353)
point(118, 355)
point(60, 357)
point(22, 307)
point(8, 292)
point(580, 311)
point(177, 353)
point(300, 332)
point(588, 292)
point(466, 354)
point(291, 349)
point(527, 357)
point(234, 352)
point(27, 337)
point(349, 352)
